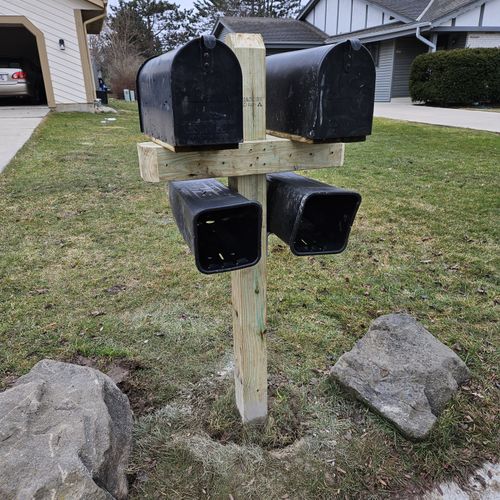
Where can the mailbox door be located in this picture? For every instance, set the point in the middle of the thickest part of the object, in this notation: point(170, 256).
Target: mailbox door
point(348, 93)
point(207, 95)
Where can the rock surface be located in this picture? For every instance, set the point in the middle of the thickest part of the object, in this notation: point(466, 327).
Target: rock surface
point(484, 484)
point(402, 372)
point(65, 432)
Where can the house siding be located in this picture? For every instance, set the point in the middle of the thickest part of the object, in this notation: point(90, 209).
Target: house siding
point(406, 49)
point(56, 20)
point(472, 17)
point(491, 15)
point(476, 39)
point(343, 16)
point(383, 80)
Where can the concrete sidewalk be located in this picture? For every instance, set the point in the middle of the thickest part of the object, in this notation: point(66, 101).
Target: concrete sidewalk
point(403, 109)
point(17, 123)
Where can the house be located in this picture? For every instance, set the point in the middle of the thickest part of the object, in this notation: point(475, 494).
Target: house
point(396, 31)
point(51, 36)
point(280, 35)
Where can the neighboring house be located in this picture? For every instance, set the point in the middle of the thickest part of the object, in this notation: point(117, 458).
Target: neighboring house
point(395, 31)
point(52, 35)
point(280, 35)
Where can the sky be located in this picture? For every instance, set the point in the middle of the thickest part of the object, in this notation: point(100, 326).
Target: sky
point(186, 4)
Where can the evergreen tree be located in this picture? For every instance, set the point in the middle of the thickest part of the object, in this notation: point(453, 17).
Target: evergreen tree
point(165, 21)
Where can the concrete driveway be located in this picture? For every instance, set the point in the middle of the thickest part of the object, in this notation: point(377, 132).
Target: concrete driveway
point(403, 109)
point(16, 126)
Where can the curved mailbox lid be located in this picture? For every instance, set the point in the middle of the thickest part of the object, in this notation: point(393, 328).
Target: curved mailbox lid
point(324, 94)
point(191, 97)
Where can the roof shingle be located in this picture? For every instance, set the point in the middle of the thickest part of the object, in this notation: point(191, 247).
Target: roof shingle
point(368, 31)
point(439, 8)
point(275, 30)
point(406, 8)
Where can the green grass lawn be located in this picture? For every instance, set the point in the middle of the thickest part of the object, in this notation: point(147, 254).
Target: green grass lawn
point(94, 270)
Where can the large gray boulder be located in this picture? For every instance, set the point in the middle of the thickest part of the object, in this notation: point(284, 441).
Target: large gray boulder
point(65, 432)
point(402, 372)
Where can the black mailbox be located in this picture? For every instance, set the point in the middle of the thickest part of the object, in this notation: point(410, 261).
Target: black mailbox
point(191, 97)
point(311, 217)
point(221, 227)
point(324, 94)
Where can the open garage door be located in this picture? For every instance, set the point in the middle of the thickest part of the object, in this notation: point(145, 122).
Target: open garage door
point(22, 75)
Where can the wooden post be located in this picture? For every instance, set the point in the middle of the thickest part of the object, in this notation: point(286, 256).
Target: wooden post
point(249, 285)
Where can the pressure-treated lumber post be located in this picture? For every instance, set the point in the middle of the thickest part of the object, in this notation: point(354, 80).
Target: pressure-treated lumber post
point(249, 285)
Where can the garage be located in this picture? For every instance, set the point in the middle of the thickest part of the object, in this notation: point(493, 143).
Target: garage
point(44, 54)
point(21, 75)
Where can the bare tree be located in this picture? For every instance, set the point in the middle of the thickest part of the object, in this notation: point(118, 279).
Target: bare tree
point(135, 31)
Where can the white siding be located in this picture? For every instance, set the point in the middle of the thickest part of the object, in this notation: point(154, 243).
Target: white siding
point(491, 16)
point(374, 16)
point(406, 49)
point(475, 39)
point(470, 18)
point(383, 80)
point(331, 17)
point(358, 15)
point(320, 14)
point(344, 16)
point(56, 20)
point(352, 15)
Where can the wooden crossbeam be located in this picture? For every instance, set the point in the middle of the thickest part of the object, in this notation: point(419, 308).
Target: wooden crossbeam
point(273, 154)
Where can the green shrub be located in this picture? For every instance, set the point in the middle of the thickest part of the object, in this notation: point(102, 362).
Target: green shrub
point(456, 77)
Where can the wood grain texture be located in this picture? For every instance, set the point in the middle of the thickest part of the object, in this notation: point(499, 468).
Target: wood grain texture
point(292, 137)
point(159, 164)
point(249, 285)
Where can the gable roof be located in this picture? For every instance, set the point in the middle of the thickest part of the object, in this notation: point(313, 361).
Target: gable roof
point(274, 31)
point(412, 10)
point(408, 8)
point(366, 32)
point(403, 10)
point(441, 8)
